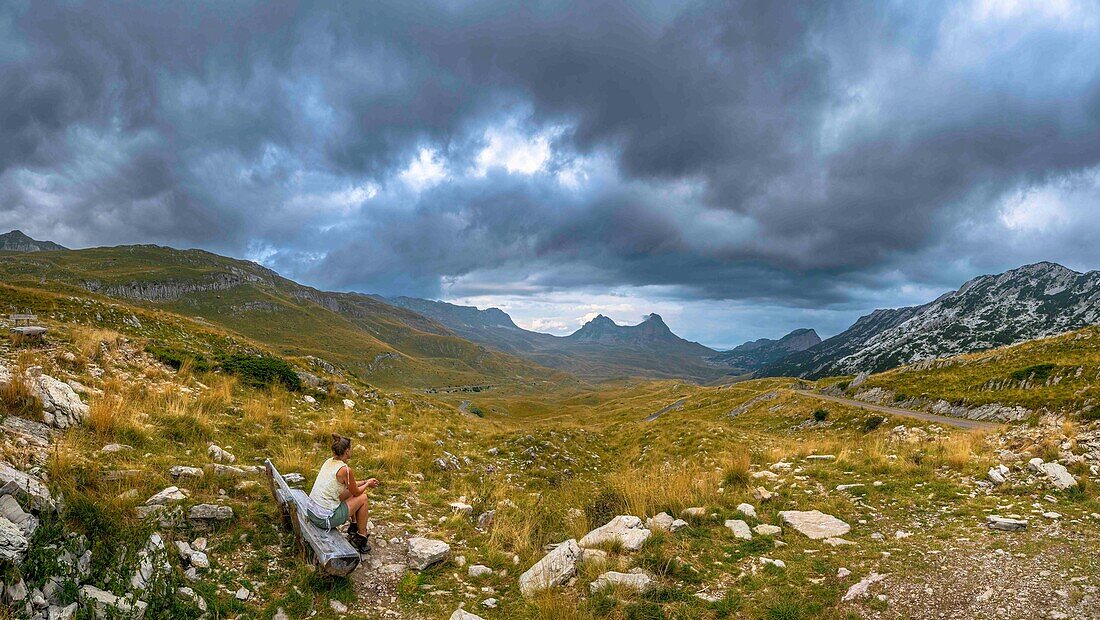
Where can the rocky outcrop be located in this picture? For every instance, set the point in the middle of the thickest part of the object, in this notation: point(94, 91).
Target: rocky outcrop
point(171, 290)
point(13, 542)
point(61, 405)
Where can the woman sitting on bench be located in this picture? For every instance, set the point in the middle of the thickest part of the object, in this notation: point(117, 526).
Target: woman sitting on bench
point(337, 490)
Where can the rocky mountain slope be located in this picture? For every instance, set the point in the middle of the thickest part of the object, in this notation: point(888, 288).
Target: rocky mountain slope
point(1033, 301)
point(380, 343)
point(599, 349)
point(755, 354)
point(17, 241)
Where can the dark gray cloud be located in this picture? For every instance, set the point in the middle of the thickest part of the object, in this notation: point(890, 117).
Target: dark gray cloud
point(799, 154)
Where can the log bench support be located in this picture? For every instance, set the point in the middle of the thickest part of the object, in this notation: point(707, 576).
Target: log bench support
point(328, 549)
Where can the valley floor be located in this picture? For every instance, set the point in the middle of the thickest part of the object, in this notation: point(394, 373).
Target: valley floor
point(553, 465)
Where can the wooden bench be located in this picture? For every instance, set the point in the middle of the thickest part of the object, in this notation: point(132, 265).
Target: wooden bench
point(332, 553)
point(24, 329)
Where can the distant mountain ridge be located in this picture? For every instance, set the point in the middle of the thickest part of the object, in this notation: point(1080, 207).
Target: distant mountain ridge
point(17, 241)
point(1033, 301)
point(755, 354)
point(601, 348)
point(381, 343)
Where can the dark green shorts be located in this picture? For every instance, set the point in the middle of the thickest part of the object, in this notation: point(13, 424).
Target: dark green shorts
point(339, 516)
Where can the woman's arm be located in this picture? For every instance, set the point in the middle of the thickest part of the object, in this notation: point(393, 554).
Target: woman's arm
point(351, 487)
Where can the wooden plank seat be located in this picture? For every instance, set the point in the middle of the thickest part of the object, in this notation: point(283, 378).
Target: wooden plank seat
point(30, 331)
point(328, 549)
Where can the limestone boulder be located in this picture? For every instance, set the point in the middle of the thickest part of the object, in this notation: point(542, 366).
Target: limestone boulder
point(61, 405)
point(815, 524)
point(13, 543)
point(637, 582)
point(1058, 476)
point(662, 521)
point(739, 528)
point(553, 570)
point(25, 487)
point(210, 513)
point(424, 552)
point(626, 530)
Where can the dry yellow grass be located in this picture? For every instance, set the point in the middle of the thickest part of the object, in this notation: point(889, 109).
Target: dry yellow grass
point(647, 491)
point(114, 416)
point(89, 341)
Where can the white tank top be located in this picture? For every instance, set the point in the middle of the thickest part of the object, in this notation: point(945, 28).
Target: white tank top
point(327, 489)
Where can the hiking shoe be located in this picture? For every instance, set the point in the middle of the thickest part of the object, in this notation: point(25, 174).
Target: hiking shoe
point(360, 542)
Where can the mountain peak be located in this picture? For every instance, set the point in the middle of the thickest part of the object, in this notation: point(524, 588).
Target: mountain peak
point(18, 241)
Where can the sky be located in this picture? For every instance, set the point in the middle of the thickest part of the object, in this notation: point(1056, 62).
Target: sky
point(741, 168)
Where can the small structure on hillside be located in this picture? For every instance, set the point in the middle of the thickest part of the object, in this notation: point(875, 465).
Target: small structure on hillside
point(23, 328)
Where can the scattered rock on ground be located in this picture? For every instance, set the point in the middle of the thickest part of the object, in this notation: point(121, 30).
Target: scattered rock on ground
point(554, 569)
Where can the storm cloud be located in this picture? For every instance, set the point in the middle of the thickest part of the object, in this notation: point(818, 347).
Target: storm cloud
point(787, 163)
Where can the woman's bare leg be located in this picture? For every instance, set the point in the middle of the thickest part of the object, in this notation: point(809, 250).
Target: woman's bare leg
point(359, 512)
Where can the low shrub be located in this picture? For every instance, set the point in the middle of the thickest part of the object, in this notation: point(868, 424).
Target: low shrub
point(1038, 372)
point(821, 414)
point(873, 423)
point(261, 370)
point(176, 358)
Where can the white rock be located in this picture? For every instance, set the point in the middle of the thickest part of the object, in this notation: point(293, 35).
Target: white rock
point(491, 603)
point(761, 494)
point(1058, 475)
point(859, 590)
point(462, 508)
point(842, 572)
point(554, 569)
point(626, 529)
point(1004, 523)
point(838, 542)
point(12, 511)
point(107, 605)
point(662, 521)
point(424, 552)
point(739, 528)
point(26, 488)
point(210, 512)
point(748, 510)
point(219, 455)
point(1034, 464)
point(13, 542)
point(694, 512)
point(765, 529)
point(637, 582)
point(349, 404)
point(199, 559)
point(462, 614)
point(478, 570)
point(998, 474)
point(309, 399)
point(678, 525)
point(814, 524)
point(337, 606)
point(166, 496)
point(767, 475)
point(182, 471)
point(775, 563)
point(243, 594)
point(61, 404)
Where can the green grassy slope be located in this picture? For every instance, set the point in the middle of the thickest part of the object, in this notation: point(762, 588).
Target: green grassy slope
point(1060, 374)
point(380, 343)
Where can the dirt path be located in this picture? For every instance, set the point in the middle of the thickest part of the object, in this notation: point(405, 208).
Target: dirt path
point(675, 405)
point(909, 413)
